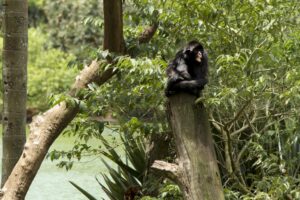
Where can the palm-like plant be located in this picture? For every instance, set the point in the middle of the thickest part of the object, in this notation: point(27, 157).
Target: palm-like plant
point(130, 177)
point(130, 174)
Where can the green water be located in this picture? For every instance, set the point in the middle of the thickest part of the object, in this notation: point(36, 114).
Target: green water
point(52, 183)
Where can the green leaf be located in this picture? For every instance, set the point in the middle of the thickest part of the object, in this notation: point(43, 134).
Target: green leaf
point(84, 192)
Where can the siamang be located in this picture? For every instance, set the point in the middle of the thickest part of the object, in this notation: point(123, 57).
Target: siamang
point(188, 71)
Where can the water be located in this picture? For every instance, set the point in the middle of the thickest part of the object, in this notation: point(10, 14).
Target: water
point(52, 183)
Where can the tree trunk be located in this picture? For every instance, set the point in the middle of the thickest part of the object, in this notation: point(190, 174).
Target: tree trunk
point(14, 72)
point(46, 128)
point(200, 177)
point(113, 26)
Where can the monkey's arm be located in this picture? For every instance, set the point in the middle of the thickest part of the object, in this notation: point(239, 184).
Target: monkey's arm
point(177, 74)
point(190, 84)
point(182, 70)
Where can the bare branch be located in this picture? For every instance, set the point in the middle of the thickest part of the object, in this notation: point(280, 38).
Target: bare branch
point(168, 170)
point(239, 113)
point(254, 118)
point(148, 33)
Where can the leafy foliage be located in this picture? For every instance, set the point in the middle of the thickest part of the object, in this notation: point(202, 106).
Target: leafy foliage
point(252, 97)
point(126, 177)
point(253, 92)
point(84, 192)
point(47, 70)
point(36, 12)
point(75, 26)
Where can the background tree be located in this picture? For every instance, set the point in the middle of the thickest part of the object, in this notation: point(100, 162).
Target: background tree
point(15, 83)
point(75, 26)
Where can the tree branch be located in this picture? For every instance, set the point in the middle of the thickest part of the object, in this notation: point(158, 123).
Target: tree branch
point(148, 33)
point(238, 114)
point(168, 170)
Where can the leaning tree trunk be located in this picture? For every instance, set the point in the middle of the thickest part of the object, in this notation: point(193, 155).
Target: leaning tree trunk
point(198, 172)
point(14, 72)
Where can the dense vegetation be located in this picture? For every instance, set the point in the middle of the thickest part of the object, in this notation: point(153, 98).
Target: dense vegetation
point(252, 97)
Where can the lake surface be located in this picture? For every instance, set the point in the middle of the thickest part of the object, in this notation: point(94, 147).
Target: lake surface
point(52, 183)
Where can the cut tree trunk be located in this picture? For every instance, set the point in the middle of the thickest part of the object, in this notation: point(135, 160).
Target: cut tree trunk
point(14, 82)
point(198, 171)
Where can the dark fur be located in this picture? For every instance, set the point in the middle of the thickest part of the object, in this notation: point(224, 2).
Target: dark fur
point(185, 74)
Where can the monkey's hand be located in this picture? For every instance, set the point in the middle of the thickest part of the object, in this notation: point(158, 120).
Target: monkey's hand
point(169, 93)
point(201, 82)
point(185, 76)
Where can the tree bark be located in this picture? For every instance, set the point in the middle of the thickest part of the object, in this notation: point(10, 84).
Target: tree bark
point(113, 26)
point(46, 128)
point(200, 177)
point(14, 72)
point(148, 33)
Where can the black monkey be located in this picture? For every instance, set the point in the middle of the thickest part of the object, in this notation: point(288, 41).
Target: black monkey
point(188, 71)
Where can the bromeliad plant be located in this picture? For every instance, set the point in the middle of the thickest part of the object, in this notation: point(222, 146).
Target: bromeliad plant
point(130, 174)
point(131, 177)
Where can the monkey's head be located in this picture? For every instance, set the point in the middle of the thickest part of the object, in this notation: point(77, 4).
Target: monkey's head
point(194, 52)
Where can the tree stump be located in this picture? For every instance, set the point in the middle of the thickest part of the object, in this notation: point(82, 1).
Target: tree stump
point(200, 177)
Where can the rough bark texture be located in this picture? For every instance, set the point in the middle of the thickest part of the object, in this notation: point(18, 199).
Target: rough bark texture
point(14, 83)
point(46, 128)
point(197, 161)
point(168, 170)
